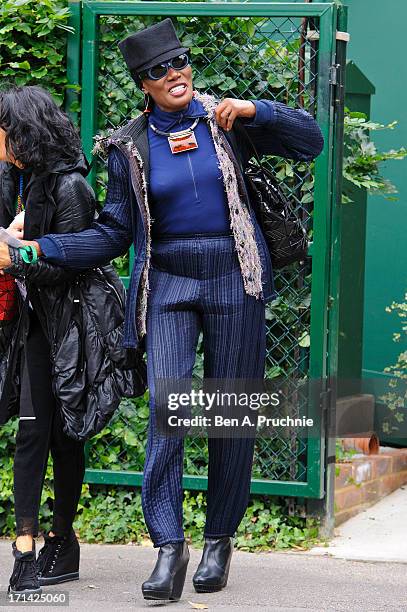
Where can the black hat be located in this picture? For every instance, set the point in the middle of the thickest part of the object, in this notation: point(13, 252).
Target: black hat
point(150, 46)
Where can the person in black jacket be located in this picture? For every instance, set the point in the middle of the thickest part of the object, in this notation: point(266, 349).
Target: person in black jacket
point(43, 171)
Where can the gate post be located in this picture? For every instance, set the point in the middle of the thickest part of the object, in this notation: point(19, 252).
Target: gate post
point(324, 508)
point(353, 219)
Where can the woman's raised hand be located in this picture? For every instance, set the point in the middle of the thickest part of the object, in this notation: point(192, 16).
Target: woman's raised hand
point(230, 108)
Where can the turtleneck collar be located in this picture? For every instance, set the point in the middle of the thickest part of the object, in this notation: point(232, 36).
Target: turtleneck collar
point(165, 120)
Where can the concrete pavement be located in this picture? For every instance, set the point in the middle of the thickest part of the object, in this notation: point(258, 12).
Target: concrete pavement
point(111, 577)
point(377, 534)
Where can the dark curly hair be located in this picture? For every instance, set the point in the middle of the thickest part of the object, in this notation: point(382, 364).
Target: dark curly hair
point(38, 132)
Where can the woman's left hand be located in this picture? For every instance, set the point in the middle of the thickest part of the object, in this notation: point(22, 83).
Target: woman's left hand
point(4, 256)
point(230, 108)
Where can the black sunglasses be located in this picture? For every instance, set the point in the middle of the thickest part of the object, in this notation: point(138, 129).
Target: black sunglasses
point(159, 71)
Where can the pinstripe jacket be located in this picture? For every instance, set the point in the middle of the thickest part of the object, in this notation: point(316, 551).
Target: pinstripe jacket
point(290, 133)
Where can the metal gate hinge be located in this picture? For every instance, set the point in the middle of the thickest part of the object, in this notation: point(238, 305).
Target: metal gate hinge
point(333, 74)
point(325, 398)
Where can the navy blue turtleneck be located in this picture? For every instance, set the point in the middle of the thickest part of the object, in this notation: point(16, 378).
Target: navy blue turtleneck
point(186, 189)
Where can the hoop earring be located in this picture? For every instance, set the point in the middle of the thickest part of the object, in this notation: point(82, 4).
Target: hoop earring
point(147, 102)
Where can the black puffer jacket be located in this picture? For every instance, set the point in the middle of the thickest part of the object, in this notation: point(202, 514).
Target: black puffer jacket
point(81, 313)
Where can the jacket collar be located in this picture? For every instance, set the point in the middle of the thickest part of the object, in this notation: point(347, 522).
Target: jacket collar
point(165, 120)
point(136, 131)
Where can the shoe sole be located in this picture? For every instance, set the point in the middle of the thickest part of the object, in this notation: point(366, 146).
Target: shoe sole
point(157, 595)
point(207, 588)
point(160, 596)
point(58, 579)
point(26, 591)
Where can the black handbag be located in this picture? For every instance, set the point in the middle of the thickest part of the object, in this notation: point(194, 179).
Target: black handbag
point(283, 231)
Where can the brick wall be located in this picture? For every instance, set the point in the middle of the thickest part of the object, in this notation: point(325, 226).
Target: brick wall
point(366, 479)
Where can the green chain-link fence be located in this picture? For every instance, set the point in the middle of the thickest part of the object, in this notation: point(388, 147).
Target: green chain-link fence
point(280, 52)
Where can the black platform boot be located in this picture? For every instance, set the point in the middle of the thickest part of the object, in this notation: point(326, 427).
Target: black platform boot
point(24, 577)
point(168, 577)
point(58, 560)
point(213, 570)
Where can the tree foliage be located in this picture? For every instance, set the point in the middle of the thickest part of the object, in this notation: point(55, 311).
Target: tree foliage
point(33, 43)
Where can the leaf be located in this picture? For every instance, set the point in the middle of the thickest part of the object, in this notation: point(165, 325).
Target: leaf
point(198, 606)
point(227, 83)
point(307, 198)
point(197, 51)
point(130, 438)
point(22, 65)
point(274, 81)
point(23, 27)
point(281, 174)
point(7, 28)
point(38, 74)
point(304, 340)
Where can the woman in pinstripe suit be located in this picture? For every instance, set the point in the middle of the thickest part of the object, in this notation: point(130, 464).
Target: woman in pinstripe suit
point(201, 264)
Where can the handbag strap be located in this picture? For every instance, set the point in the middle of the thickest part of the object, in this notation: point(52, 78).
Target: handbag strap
point(242, 130)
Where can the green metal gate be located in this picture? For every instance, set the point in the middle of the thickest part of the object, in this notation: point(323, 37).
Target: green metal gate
point(284, 52)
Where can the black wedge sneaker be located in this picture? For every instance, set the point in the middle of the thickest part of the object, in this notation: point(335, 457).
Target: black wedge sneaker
point(168, 577)
point(213, 570)
point(24, 577)
point(58, 559)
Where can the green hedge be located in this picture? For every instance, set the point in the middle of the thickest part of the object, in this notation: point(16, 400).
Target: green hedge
point(33, 43)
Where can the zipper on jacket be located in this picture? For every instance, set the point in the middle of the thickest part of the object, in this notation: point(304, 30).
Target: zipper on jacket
point(78, 319)
point(112, 287)
point(193, 176)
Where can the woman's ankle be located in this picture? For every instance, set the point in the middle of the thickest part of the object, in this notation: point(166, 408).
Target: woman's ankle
point(25, 543)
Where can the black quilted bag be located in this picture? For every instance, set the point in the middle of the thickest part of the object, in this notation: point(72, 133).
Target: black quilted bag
point(285, 235)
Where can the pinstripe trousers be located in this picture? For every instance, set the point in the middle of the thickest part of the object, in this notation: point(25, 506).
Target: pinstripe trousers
point(196, 284)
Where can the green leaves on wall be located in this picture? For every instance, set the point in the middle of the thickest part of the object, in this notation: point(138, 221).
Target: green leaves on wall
point(33, 43)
